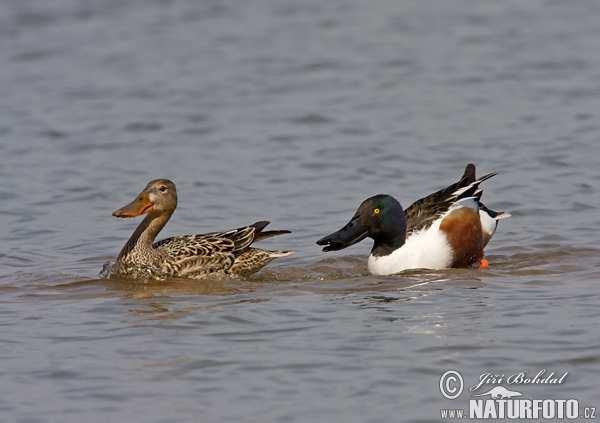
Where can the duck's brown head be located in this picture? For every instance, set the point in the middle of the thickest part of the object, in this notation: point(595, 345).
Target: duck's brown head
point(159, 196)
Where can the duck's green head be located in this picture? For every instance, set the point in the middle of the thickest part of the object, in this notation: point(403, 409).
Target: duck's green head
point(380, 217)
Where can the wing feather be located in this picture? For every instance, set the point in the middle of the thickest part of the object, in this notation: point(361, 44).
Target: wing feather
point(229, 242)
point(423, 212)
point(198, 256)
point(196, 267)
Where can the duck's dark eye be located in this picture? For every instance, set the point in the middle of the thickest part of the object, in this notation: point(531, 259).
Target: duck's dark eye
point(162, 188)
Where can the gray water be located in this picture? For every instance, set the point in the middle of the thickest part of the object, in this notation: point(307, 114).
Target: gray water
point(293, 111)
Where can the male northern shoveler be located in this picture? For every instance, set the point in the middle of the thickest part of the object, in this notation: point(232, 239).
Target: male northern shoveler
point(448, 228)
point(201, 256)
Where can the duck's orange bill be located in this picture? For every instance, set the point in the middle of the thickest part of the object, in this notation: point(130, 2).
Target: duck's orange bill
point(137, 207)
point(484, 264)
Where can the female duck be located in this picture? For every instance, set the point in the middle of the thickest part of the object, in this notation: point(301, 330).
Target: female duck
point(448, 228)
point(201, 256)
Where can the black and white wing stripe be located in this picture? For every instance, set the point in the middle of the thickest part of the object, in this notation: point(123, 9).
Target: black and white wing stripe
point(422, 213)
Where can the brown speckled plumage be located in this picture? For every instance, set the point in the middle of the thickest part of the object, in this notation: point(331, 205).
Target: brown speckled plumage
point(202, 256)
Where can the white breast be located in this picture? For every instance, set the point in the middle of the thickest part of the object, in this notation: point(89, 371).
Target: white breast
point(426, 249)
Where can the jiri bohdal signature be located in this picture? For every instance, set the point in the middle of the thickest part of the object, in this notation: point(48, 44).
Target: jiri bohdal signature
point(542, 377)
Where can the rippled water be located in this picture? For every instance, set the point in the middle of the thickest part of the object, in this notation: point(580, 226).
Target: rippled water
point(293, 111)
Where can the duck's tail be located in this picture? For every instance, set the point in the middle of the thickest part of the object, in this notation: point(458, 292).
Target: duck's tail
point(278, 253)
point(254, 259)
point(496, 215)
point(468, 185)
point(260, 234)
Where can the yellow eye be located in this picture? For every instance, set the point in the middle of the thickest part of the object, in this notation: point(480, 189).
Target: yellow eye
point(376, 211)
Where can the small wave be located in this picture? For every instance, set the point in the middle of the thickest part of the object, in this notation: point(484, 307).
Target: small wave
point(336, 275)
